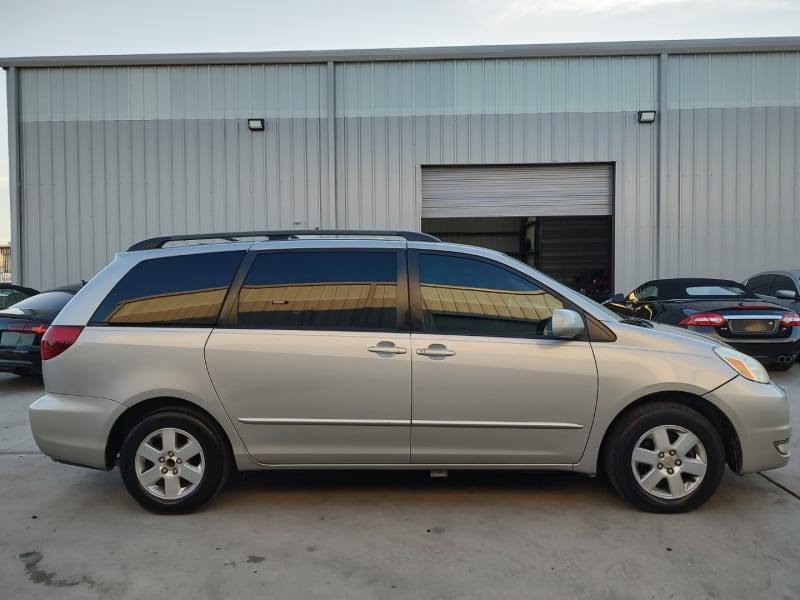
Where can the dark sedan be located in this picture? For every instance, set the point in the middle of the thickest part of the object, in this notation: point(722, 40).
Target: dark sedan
point(780, 287)
point(23, 325)
point(719, 308)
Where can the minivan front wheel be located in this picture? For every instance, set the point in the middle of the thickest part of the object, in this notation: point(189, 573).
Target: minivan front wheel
point(172, 462)
point(665, 458)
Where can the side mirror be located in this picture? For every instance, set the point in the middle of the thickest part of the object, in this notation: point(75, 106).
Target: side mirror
point(567, 324)
point(786, 294)
point(618, 299)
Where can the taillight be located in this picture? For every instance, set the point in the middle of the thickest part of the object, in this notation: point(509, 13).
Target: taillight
point(703, 320)
point(37, 328)
point(57, 339)
point(790, 319)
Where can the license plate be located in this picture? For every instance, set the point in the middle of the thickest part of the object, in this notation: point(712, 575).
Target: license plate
point(753, 325)
point(10, 338)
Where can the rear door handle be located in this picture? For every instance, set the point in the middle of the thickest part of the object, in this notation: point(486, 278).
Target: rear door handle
point(435, 350)
point(387, 348)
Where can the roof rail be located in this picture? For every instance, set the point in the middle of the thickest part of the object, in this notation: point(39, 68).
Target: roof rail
point(233, 236)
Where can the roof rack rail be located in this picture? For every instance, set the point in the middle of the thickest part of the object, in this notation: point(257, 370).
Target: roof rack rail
point(233, 236)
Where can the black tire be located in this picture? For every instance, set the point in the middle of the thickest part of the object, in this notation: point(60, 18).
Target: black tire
point(207, 467)
point(673, 487)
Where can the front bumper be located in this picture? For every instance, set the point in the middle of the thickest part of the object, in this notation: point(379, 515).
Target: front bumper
point(74, 429)
point(760, 415)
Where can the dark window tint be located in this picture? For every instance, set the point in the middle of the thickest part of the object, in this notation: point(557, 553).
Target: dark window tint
point(9, 297)
point(321, 290)
point(760, 284)
point(45, 302)
point(782, 283)
point(467, 296)
point(175, 290)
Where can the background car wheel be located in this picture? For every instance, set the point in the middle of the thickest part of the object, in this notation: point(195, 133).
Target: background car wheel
point(665, 458)
point(173, 462)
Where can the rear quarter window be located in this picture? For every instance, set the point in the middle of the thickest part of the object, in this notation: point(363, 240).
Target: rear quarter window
point(183, 290)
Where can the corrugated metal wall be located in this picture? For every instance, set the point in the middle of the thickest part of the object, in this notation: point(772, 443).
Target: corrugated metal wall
point(112, 155)
point(393, 117)
point(732, 204)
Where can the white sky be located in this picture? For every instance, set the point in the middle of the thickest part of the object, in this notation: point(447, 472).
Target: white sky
point(58, 27)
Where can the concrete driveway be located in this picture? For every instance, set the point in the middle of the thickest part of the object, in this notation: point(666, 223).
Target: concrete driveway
point(69, 533)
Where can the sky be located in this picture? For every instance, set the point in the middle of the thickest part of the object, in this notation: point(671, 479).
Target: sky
point(59, 27)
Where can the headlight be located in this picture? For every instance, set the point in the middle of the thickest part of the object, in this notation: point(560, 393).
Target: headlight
point(746, 366)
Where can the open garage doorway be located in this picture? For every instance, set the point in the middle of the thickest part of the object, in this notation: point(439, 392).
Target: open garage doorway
point(575, 250)
point(554, 217)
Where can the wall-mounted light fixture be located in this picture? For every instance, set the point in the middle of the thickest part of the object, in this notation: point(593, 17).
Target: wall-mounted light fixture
point(255, 124)
point(647, 116)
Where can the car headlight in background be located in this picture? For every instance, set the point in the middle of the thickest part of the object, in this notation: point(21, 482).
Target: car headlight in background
point(746, 366)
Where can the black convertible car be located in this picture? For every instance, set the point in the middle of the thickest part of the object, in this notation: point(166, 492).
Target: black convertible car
point(722, 309)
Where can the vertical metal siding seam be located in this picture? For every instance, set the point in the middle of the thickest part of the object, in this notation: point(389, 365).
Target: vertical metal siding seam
point(79, 179)
point(333, 210)
point(796, 140)
point(13, 77)
point(250, 159)
point(373, 118)
point(53, 191)
point(186, 122)
point(210, 152)
point(66, 196)
point(237, 175)
point(386, 193)
point(661, 156)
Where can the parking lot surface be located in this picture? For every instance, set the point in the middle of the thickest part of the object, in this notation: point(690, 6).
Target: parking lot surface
point(69, 532)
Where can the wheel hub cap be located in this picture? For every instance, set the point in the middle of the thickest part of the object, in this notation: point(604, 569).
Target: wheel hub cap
point(169, 464)
point(669, 462)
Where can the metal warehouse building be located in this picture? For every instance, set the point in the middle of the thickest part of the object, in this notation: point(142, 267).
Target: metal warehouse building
point(611, 161)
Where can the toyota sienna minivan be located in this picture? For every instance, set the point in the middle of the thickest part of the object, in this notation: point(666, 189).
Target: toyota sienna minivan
point(191, 357)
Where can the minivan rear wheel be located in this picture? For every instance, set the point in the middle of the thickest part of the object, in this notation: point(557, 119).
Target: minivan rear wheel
point(665, 458)
point(172, 462)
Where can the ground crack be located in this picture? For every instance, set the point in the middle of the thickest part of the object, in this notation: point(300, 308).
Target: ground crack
point(794, 495)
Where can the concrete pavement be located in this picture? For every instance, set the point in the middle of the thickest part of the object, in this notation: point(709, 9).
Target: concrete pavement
point(69, 533)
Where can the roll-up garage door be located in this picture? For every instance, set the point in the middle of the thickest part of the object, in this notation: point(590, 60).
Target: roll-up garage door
point(516, 191)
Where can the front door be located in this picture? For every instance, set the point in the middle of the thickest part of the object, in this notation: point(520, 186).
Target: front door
point(491, 385)
point(316, 367)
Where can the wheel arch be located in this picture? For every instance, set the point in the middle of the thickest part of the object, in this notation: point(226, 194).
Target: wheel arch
point(730, 439)
point(128, 419)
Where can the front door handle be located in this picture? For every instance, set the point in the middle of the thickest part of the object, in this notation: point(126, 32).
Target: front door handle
point(435, 350)
point(387, 348)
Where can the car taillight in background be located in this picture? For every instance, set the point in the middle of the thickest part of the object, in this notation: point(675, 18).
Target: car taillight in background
point(790, 319)
point(57, 339)
point(37, 328)
point(703, 320)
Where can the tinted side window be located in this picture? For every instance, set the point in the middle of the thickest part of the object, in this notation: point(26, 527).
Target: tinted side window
point(781, 282)
point(467, 296)
point(760, 284)
point(349, 290)
point(175, 290)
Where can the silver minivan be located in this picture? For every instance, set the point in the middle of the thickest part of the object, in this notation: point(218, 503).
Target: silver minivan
point(384, 350)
